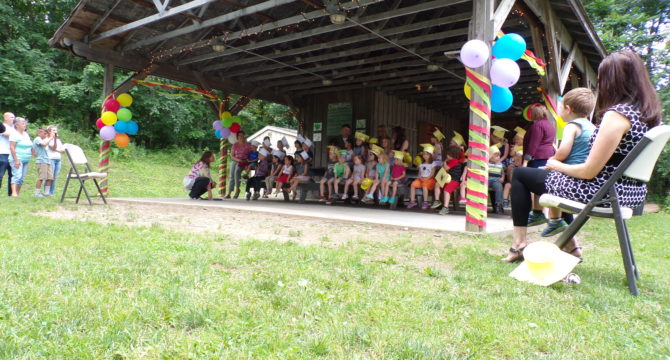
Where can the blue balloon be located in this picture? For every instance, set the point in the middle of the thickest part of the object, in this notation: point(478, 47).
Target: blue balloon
point(131, 127)
point(218, 134)
point(510, 46)
point(121, 127)
point(501, 99)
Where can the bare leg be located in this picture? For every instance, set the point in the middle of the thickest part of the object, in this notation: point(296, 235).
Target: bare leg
point(357, 185)
point(412, 194)
point(463, 187)
point(436, 192)
point(554, 213)
point(322, 189)
point(395, 189)
point(506, 191)
point(447, 197)
point(15, 190)
point(425, 193)
point(347, 184)
point(518, 244)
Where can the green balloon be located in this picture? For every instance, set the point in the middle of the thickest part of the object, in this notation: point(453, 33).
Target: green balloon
point(237, 119)
point(227, 122)
point(124, 114)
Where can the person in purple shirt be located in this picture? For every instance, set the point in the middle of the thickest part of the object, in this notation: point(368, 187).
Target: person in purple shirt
point(238, 161)
point(262, 171)
point(538, 144)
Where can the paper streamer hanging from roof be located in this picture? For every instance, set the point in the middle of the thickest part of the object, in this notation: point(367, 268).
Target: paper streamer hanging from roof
point(535, 62)
point(553, 109)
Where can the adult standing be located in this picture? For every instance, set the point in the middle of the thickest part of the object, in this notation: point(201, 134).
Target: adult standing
point(54, 150)
point(381, 132)
point(399, 139)
point(238, 161)
point(628, 107)
point(538, 144)
point(345, 136)
point(21, 151)
point(5, 132)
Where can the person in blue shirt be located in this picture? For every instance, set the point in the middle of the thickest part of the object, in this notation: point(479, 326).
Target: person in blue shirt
point(21, 151)
point(44, 169)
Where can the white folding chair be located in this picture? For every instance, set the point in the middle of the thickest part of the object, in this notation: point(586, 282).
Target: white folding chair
point(77, 157)
point(639, 165)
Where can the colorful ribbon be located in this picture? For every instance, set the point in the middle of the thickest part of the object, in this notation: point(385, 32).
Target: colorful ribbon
point(553, 109)
point(535, 62)
point(476, 179)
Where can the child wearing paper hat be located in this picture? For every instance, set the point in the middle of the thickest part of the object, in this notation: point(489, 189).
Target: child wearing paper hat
point(370, 173)
point(306, 145)
point(499, 140)
point(273, 172)
point(426, 179)
point(496, 178)
point(458, 140)
point(360, 149)
point(262, 171)
point(329, 175)
point(436, 140)
point(341, 173)
point(453, 168)
point(398, 174)
point(357, 176)
point(382, 179)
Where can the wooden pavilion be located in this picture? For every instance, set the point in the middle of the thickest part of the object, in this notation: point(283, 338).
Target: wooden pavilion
point(360, 62)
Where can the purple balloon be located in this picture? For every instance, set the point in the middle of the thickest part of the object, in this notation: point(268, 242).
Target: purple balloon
point(217, 125)
point(225, 132)
point(107, 133)
point(505, 72)
point(475, 53)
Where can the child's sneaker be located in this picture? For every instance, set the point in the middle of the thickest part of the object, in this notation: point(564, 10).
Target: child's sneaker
point(322, 199)
point(38, 193)
point(335, 196)
point(392, 200)
point(355, 197)
point(384, 200)
point(411, 204)
point(506, 204)
point(436, 204)
point(462, 201)
point(536, 218)
point(554, 226)
point(444, 211)
point(425, 205)
point(256, 196)
point(344, 197)
point(329, 202)
point(248, 196)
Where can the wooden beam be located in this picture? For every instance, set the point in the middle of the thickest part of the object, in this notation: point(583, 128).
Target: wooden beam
point(554, 61)
point(108, 80)
point(481, 27)
point(502, 11)
point(102, 18)
point(204, 84)
point(151, 19)
point(128, 84)
point(566, 68)
point(424, 6)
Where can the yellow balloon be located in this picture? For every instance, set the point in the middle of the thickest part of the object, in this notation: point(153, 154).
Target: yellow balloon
point(468, 91)
point(226, 115)
point(108, 118)
point(407, 158)
point(418, 160)
point(366, 183)
point(125, 99)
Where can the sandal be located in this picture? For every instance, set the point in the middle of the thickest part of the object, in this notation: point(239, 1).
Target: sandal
point(515, 255)
point(576, 252)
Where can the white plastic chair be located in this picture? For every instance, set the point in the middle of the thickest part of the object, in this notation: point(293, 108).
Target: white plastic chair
point(77, 157)
point(639, 165)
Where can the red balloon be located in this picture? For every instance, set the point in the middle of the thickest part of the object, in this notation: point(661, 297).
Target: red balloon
point(235, 128)
point(112, 105)
point(99, 123)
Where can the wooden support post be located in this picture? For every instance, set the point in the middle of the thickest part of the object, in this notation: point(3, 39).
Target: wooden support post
point(103, 165)
point(481, 27)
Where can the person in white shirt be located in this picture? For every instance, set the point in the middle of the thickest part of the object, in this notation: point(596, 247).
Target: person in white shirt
point(5, 166)
point(55, 149)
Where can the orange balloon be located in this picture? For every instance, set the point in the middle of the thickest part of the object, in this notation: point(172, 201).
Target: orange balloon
point(121, 140)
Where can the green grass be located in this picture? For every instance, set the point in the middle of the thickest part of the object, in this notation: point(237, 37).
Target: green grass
point(71, 290)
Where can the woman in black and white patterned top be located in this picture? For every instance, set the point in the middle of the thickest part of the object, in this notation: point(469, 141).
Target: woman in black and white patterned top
point(628, 107)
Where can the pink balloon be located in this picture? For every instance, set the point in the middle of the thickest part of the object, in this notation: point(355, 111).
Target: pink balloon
point(112, 105)
point(107, 133)
point(475, 53)
point(225, 132)
point(99, 124)
point(505, 72)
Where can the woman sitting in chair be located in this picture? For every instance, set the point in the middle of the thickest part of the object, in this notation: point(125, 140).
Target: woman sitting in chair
point(628, 107)
point(200, 180)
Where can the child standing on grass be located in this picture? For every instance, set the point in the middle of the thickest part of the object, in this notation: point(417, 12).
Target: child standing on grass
point(576, 106)
point(382, 178)
point(44, 170)
point(425, 181)
point(398, 174)
point(273, 172)
point(286, 174)
point(325, 180)
point(357, 176)
point(301, 173)
point(452, 166)
point(341, 172)
point(496, 178)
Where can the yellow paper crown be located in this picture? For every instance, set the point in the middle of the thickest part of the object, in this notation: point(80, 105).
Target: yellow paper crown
point(458, 139)
point(494, 149)
point(498, 131)
point(360, 136)
point(373, 141)
point(377, 150)
point(438, 134)
point(429, 148)
point(520, 131)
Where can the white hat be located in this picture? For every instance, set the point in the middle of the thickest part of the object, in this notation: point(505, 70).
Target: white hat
point(544, 264)
point(308, 142)
point(284, 141)
point(304, 155)
point(278, 154)
point(254, 143)
point(263, 152)
point(300, 139)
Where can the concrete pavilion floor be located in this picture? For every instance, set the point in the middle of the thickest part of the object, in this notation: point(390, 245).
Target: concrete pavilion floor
point(499, 225)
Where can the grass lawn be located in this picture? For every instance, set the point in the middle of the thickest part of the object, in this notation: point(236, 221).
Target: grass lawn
point(80, 290)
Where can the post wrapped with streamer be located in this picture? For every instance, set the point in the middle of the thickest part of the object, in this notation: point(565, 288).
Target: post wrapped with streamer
point(477, 179)
point(223, 155)
point(103, 166)
point(553, 109)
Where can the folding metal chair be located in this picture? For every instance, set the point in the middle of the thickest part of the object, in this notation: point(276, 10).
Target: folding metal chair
point(77, 157)
point(639, 165)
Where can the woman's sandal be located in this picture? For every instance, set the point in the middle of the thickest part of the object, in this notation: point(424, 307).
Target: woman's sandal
point(576, 252)
point(515, 255)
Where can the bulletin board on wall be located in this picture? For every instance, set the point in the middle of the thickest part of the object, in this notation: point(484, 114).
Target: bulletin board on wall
point(338, 114)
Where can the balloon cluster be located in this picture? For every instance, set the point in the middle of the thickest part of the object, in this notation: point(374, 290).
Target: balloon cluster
point(116, 123)
point(228, 127)
point(505, 71)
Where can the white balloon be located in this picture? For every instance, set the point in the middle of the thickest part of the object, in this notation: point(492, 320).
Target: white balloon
point(232, 138)
point(475, 53)
point(505, 72)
